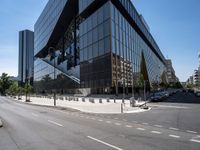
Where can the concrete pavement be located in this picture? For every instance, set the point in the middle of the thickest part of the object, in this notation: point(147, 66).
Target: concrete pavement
point(90, 107)
point(34, 127)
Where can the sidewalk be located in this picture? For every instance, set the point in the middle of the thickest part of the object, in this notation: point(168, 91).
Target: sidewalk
point(89, 105)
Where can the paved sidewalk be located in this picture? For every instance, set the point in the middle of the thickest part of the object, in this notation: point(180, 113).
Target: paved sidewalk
point(89, 105)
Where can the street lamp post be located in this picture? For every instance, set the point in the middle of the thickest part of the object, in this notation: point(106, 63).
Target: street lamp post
point(145, 98)
point(54, 94)
point(51, 50)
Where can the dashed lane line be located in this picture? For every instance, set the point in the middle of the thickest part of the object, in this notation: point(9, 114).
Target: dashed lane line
point(159, 126)
point(33, 114)
point(194, 140)
point(141, 129)
point(156, 132)
point(118, 124)
point(100, 120)
point(105, 143)
point(55, 123)
point(129, 126)
point(108, 122)
point(189, 131)
point(171, 128)
point(174, 136)
point(145, 123)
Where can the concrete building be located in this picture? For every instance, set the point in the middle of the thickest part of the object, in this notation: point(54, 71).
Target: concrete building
point(26, 57)
point(171, 76)
point(94, 46)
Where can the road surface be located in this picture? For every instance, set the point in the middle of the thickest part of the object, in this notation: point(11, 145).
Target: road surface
point(168, 126)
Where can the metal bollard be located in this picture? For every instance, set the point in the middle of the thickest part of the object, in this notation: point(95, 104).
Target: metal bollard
point(122, 108)
point(100, 100)
point(108, 100)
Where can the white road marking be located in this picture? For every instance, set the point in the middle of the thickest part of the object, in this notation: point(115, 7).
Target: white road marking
point(108, 121)
point(134, 121)
point(93, 118)
point(33, 114)
point(145, 123)
point(128, 126)
point(168, 106)
point(171, 128)
point(116, 118)
point(156, 132)
point(53, 122)
point(158, 126)
point(118, 124)
point(100, 120)
point(189, 131)
point(193, 140)
point(102, 142)
point(142, 129)
point(174, 136)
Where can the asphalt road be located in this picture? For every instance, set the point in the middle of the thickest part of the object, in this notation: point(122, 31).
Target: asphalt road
point(168, 126)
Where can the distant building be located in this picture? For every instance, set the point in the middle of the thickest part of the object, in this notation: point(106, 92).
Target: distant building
point(196, 77)
point(26, 59)
point(190, 80)
point(171, 76)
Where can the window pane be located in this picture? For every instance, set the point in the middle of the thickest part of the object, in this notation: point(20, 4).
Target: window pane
point(100, 15)
point(107, 28)
point(90, 52)
point(100, 30)
point(81, 56)
point(95, 34)
point(95, 49)
point(101, 47)
point(107, 44)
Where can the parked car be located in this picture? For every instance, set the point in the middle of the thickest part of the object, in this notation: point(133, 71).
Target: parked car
point(197, 94)
point(156, 97)
point(165, 94)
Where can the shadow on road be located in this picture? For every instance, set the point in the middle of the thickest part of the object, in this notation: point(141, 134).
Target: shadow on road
point(182, 97)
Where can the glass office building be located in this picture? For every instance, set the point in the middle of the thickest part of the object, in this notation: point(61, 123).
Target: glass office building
point(26, 62)
point(98, 46)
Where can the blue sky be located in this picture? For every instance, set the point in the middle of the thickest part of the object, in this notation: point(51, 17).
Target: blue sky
point(175, 25)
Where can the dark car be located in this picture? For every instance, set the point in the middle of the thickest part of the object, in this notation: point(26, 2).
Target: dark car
point(197, 94)
point(156, 97)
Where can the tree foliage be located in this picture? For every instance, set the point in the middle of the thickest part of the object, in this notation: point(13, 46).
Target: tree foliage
point(5, 83)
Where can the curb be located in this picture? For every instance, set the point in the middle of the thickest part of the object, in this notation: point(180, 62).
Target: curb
point(1, 124)
point(79, 110)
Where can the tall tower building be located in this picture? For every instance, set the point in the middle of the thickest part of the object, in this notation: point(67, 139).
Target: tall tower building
point(26, 59)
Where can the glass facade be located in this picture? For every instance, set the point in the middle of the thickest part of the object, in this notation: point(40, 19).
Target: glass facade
point(128, 45)
point(46, 23)
point(95, 34)
point(101, 49)
point(83, 4)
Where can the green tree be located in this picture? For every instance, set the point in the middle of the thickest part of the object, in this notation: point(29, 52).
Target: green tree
point(27, 90)
point(13, 89)
point(5, 83)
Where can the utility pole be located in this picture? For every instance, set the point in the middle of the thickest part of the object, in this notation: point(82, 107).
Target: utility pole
point(52, 53)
